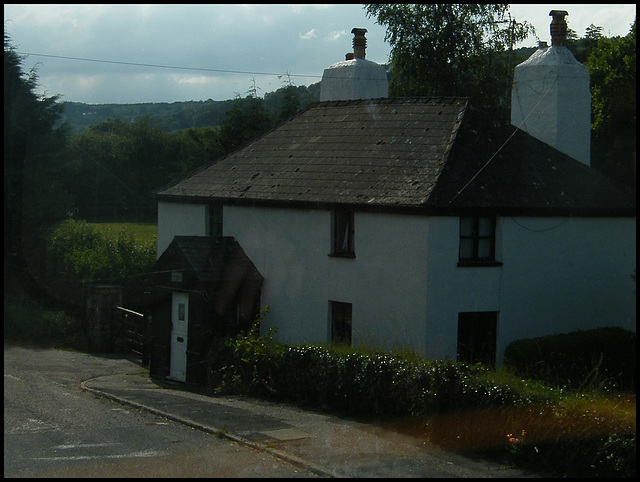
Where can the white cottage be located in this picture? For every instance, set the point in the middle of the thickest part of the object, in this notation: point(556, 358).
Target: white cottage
point(417, 223)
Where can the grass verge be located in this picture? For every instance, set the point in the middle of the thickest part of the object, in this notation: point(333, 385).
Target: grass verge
point(142, 232)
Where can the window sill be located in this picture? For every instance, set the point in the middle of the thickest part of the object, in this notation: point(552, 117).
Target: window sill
point(342, 255)
point(478, 264)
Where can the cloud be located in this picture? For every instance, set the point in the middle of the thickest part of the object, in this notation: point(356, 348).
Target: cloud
point(194, 79)
point(310, 34)
point(236, 40)
point(335, 35)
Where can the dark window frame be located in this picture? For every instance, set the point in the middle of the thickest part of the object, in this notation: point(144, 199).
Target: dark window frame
point(341, 322)
point(215, 220)
point(477, 337)
point(477, 237)
point(342, 233)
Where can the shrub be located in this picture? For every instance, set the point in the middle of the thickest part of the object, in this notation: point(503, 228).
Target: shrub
point(603, 358)
point(577, 441)
point(25, 321)
point(466, 408)
point(78, 254)
point(368, 385)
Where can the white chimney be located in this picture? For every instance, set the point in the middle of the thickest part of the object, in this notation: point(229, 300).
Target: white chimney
point(551, 99)
point(356, 77)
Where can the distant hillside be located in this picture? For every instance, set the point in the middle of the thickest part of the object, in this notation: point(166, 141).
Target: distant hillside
point(177, 116)
point(173, 116)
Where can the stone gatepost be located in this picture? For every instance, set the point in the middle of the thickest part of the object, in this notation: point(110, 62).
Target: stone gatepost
point(100, 308)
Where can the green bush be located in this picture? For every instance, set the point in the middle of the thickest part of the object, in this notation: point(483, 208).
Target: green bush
point(468, 408)
point(603, 358)
point(369, 385)
point(596, 456)
point(78, 255)
point(25, 321)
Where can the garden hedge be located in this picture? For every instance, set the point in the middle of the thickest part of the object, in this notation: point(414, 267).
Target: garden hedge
point(602, 358)
point(467, 408)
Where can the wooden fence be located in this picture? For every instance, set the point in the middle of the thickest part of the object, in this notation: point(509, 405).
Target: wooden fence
point(130, 334)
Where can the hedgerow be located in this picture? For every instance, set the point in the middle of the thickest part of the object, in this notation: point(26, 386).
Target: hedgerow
point(464, 407)
point(602, 358)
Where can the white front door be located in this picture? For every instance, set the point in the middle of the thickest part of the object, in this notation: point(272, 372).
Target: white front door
point(180, 322)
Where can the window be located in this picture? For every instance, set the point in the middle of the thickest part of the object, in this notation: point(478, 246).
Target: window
point(477, 241)
point(215, 220)
point(342, 233)
point(340, 323)
point(477, 337)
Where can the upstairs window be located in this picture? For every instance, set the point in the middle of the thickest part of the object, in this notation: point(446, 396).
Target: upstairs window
point(477, 241)
point(342, 230)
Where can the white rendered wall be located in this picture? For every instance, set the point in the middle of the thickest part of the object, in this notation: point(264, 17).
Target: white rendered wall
point(385, 283)
point(451, 289)
point(551, 101)
point(558, 274)
point(354, 79)
point(180, 219)
point(575, 274)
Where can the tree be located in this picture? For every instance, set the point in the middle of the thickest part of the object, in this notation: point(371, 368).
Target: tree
point(290, 101)
point(612, 66)
point(115, 166)
point(451, 50)
point(193, 148)
point(593, 32)
point(33, 147)
point(247, 119)
point(581, 47)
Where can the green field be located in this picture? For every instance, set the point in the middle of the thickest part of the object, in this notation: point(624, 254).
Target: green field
point(141, 231)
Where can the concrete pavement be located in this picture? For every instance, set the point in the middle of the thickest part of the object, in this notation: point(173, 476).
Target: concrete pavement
point(324, 444)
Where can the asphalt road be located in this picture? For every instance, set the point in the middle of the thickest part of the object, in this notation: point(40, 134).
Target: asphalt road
point(54, 429)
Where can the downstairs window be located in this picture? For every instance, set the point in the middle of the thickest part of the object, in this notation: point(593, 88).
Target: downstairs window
point(477, 332)
point(340, 323)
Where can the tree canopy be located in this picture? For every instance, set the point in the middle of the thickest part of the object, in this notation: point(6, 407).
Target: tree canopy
point(33, 153)
point(451, 50)
point(612, 66)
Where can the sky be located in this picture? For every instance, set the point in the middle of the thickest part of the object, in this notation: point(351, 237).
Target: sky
point(174, 53)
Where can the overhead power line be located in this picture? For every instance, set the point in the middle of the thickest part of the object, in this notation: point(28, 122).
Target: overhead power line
point(157, 66)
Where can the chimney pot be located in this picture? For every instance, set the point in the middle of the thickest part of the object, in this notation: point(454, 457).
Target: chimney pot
point(359, 42)
point(558, 28)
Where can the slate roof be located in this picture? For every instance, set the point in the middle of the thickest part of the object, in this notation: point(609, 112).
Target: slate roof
point(208, 257)
point(434, 155)
point(204, 256)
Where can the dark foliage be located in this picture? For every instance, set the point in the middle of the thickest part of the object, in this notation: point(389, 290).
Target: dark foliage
point(604, 358)
point(464, 408)
point(175, 117)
